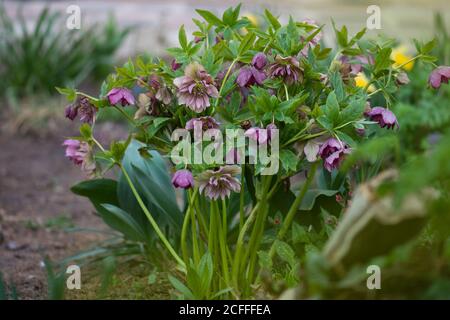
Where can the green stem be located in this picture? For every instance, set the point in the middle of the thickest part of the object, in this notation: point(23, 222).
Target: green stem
point(294, 207)
point(224, 81)
point(87, 96)
point(286, 92)
point(242, 199)
point(194, 227)
point(152, 221)
point(409, 61)
point(223, 241)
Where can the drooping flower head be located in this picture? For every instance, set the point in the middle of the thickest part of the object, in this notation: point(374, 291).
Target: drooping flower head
point(333, 152)
point(83, 107)
point(254, 74)
point(402, 78)
point(174, 65)
point(183, 179)
point(260, 135)
point(195, 88)
point(206, 123)
point(80, 153)
point(259, 61)
point(438, 76)
point(75, 150)
point(123, 96)
point(384, 117)
point(287, 68)
point(220, 182)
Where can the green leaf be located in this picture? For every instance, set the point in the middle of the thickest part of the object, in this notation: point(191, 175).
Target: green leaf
point(382, 60)
point(285, 252)
point(246, 43)
point(210, 17)
point(86, 131)
point(97, 190)
point(123, 222)
point(182, 37)
point(151, 178)
point(264, 260)
point(273, 21)
point(71, 94)
point(311, 196)
point(353, 111)
point(331, 109)
point(178, 285)
point(289, 160)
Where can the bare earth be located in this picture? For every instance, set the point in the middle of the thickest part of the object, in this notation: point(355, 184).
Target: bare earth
point(36, 206)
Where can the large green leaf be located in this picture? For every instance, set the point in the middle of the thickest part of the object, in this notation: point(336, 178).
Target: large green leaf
point(98, 191)
point(148, 172)
point(121, 221)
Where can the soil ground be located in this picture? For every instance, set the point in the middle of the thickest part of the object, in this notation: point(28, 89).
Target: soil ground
point(37, 207)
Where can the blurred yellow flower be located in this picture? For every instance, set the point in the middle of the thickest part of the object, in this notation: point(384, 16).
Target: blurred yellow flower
point(252, 18)
point(400, 56)
point(362, 81)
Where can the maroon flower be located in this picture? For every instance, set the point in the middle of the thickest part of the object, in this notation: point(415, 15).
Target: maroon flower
point(259, 61)
point(183, 179)
point(195, 88)
point(71, 111)
point(438, 76)
point(83, 107)
point(249, 76)
point(219, 183)
point(355, 64)
point(384, 117)
point(333, 152)
point(206, 123)
point(175, 65)
point(254, 74)
point(287, 68)
point(79, 152)
point(122, 95)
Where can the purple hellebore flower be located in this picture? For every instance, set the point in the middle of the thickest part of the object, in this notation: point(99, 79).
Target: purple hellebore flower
point(122, 95)
point(249, 76)
point(357, 63)
point(71, 111)
point(253, 74)
point(287, 68)
point(79, 152)
point(207, 123)
point(259, 61)
point(83, 107)
point(175, 65)
point(74, 150)
point(402, 78)
point(384, 117)
point(195, 88)
point(183, 179)
point(260, 135)
point(438, 76)
point(219, 183)
point(333, 152)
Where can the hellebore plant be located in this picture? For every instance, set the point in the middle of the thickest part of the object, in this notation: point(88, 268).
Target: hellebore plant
point(284, 93)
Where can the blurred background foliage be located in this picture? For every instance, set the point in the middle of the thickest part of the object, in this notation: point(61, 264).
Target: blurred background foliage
point(36, 60)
